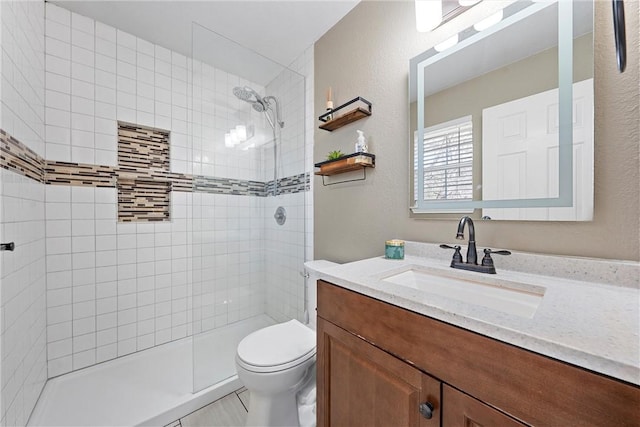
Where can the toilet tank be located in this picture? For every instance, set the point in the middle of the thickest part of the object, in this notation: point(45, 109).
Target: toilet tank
point(312, 292)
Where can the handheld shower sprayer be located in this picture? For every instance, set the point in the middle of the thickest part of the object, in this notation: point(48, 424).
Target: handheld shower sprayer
point(260, 104)
point(278, 113)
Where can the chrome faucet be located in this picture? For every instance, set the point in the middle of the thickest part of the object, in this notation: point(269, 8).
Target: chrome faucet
point(472, 254)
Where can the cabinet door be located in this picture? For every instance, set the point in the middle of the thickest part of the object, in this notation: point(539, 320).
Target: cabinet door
point(460, 410)
point(361, 385)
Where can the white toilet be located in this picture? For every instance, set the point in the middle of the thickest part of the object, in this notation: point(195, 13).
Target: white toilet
point(276, 363)
point(273, 363)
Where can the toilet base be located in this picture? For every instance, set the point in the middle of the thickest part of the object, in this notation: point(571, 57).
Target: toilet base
point(273, 410)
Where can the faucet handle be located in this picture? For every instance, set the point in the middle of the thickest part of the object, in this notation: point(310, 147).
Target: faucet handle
point(487, 261)
point(456, 247)
point(491, 251)
point(457, 256)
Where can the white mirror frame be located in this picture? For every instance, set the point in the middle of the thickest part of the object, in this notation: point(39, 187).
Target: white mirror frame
point(565, 107)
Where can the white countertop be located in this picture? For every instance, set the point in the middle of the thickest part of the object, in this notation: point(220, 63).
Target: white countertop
point(585, 323)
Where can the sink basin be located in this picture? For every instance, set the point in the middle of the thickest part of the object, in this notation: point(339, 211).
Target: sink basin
point(502, 295)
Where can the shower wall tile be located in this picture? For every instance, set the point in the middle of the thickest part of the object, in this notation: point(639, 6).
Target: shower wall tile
point(119, 288)
point(228, 259)
point(58, 84)
point(288, 246)
point(23, 271)
point(23, 329)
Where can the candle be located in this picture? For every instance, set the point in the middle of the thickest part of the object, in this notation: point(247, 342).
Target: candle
point(394, 249)
point(329, 100)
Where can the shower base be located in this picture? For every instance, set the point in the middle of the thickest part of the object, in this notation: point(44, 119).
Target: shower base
point(151, 387)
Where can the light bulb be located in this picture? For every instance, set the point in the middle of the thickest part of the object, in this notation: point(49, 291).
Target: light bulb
point(488, 22)
point(428, 14)
point(450, 42)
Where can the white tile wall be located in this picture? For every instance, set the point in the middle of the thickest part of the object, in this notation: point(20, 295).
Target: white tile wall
point(22, 110)
point(113, 288)
point(22, 277)
point(284, 258)
point(22, 272)
point(276, 253)
point(117, 288)
point(215, 112)
point(288, 246)
point(228, 260)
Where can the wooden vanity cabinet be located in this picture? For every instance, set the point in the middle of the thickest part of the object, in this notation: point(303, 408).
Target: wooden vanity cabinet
point(377, 363)
point(463, 410)
point(364, 386)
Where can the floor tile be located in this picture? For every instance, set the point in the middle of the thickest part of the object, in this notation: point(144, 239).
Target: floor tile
point(244, 397)
point(226, 412)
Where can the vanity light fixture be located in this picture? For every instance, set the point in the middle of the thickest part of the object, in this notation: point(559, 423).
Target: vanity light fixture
point(467, 3)
point(428, 14)
point(489, 21)
point(450, 42)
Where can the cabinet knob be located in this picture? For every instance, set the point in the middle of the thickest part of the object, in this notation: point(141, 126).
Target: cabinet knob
point(426, 410)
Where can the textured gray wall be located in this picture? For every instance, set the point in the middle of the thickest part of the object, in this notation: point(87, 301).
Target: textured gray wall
point(367, 54)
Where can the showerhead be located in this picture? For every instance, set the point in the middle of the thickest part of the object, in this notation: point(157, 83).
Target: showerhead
point(261, 105)
point(246, 94)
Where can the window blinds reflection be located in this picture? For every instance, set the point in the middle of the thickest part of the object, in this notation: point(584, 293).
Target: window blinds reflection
point(448, 161)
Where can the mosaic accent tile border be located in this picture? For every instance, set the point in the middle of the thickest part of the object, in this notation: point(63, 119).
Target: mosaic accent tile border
point(79, 174)
point(179, 181)
point(291, 184)
point(18, 158)
point(205, 184)
point(288, 185)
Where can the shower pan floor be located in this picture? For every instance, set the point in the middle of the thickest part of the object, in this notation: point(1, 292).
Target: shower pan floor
point(151, 387)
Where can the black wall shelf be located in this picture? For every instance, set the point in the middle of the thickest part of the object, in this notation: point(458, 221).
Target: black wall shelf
point(331, 121)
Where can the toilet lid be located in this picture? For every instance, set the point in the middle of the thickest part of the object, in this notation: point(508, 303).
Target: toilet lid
point(277, 345)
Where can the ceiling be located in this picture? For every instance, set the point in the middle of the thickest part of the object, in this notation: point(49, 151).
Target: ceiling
point(276, 29)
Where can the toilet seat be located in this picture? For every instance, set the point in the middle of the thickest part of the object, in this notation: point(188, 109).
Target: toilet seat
point(277, 347)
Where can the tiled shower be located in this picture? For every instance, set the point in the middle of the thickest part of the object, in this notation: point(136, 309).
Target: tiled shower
point(83, 287)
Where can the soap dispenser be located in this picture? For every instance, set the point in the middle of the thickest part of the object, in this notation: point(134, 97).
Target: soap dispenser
point(361, 144)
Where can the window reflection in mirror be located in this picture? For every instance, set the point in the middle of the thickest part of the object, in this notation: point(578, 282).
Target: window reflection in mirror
point(447, 159)
point(507, 82)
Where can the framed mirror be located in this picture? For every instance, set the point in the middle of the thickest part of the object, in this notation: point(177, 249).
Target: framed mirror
point(501, 115)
